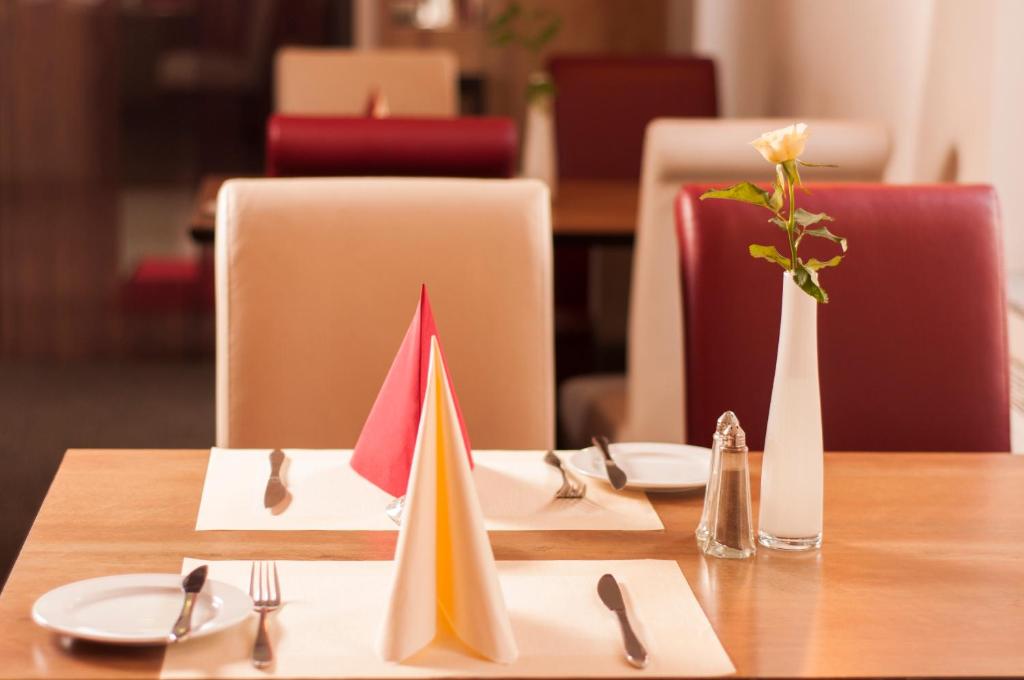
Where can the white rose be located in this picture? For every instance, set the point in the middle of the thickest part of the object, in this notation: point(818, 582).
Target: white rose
point(784, 144)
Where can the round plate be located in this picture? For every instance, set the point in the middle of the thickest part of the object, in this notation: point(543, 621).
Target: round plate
point(137, 609)
point(649, 466)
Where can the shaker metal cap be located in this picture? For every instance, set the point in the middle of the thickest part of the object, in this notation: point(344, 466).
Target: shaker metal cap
point(733, 436)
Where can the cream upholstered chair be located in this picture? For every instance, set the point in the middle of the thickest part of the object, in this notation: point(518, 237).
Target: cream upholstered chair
point(318, 279)
point(330, 81)
point(647, 404)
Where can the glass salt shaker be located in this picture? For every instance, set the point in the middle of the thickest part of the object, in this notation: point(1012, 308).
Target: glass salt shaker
point(730, 525)
point(702, 531)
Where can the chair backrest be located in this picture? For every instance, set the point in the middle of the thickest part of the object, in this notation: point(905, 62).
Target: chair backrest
point(437, 147)
point(317, 281)
point(338, 82)
point(604, 103)
point(677, 151)
point(912, 344)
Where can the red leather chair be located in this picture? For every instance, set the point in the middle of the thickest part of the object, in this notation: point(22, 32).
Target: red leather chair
point(912, 345)
point(603, 105)
point(441, 147)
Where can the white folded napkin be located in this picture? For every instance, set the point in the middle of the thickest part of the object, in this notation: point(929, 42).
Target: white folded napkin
point(445, 573)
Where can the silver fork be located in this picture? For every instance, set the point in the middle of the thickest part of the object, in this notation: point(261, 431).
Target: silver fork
point(266, 597)
point(569, 488)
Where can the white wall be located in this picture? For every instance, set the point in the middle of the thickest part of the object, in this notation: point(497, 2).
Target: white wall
point(1007, 121)
point(946, 76)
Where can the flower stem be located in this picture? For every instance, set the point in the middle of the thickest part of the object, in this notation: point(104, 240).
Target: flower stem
point(791, 225)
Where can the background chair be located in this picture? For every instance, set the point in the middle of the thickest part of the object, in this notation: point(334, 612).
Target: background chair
point(602, 105)
point(440, 147)
point(912, 345)
point(317, 280)
point(647, 403)
point(322, 81)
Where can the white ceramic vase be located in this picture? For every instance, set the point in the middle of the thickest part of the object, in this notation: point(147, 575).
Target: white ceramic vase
point(539, 156)
point(792, 474)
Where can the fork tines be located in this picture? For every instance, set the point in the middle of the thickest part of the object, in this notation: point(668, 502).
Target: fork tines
point(264, 590)
point(570, 489)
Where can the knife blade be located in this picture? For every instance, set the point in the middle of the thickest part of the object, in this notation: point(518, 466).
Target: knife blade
point(191, 585)
point(276, 490)
point(615, 474)
point(610, 593)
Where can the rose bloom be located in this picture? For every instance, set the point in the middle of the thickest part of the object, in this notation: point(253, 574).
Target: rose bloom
point(784, 144)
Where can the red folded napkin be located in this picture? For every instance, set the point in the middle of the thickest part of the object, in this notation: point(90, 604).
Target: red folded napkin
point(384, 451)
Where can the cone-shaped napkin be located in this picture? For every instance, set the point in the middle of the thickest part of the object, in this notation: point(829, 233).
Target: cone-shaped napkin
point(445, 576)
point(384, 451)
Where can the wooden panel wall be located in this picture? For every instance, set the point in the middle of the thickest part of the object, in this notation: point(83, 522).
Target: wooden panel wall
point(58, 173)
point(597, 26)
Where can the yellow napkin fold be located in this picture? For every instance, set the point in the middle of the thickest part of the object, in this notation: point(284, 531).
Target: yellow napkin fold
point(445, 575)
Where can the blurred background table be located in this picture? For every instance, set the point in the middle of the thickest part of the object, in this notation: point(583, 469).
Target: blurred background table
point(582, 211)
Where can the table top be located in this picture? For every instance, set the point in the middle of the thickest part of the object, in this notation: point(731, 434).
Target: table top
point(592, 210)
point(921, 573)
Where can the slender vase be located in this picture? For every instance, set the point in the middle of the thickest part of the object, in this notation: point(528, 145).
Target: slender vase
point(792, 475)
point(539, 157)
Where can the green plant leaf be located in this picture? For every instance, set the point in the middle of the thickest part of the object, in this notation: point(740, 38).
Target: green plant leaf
point(816, 165)
point(544, 89)
point(806, 219)
point(744, 192)
point(816, 265)
point(823, 232)
point(807, 280)
point(769, 253)
point(781, 224)
point(546, 33)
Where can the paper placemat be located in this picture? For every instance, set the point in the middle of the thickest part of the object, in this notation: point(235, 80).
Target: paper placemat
point(516, 490)
point(332, 612)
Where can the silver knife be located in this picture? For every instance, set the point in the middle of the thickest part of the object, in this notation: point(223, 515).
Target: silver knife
point(615, 474)
point(192, 585)
point(276, 490)
point(611, 595)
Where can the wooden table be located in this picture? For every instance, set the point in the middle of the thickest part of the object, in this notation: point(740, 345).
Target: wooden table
point(591, 211)
point(922, 572)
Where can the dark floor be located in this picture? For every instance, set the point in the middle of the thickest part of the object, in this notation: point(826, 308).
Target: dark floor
point(46, 409)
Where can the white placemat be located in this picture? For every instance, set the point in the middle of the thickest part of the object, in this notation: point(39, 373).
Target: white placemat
point(332, 613)
point(516, 490)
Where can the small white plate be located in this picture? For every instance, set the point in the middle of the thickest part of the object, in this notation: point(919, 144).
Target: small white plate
point(137, 609)
point(649, 466)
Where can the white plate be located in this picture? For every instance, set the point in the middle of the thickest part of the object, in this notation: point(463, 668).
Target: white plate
point(653, 467)
point(137, 609)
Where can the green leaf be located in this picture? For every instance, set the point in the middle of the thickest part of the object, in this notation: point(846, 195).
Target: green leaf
point(816, 265)
point(544, 89)
point(769, 253)
point(823, 232)
point(781, 224)
point(546, 34)
point(744, 192)
point(806, 219)
point(807, 280)
point(816, 165)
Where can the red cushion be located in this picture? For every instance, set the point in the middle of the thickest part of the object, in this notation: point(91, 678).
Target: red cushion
point(161, 284)
point(440, 147)
point(912, 345)
point(603, 105)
